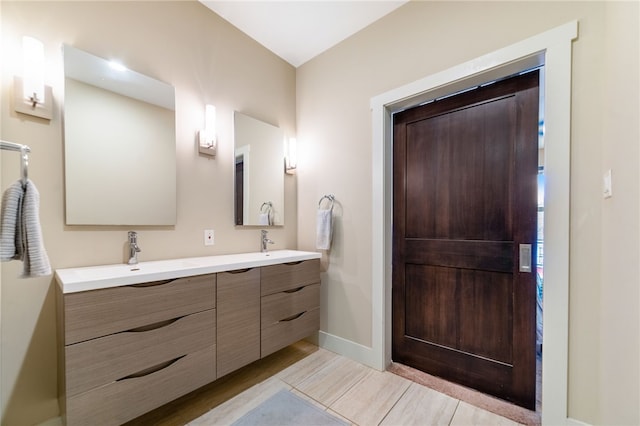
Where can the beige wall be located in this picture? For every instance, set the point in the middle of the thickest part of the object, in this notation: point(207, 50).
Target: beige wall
point(619, 282)
point(208, 61)
point(421, 38)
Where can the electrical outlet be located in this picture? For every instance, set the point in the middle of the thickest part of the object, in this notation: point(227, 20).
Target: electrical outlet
point(208, 237)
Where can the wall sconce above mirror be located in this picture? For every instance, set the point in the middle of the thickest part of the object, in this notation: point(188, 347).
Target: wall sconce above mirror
point(31, 95)
point(259, 179)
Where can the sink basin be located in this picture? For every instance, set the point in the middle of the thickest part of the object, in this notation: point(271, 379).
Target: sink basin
point(72, 280)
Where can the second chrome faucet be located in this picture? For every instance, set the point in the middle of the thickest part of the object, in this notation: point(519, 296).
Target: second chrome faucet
point(264, 241)
point(133, 248)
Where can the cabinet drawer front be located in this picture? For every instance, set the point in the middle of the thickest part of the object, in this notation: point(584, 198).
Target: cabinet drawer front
point(104, 360)
point(280, 306)
point(238, 338)
point(126, 399)
point(284, 333)
point(287, 276)
point(92, 314)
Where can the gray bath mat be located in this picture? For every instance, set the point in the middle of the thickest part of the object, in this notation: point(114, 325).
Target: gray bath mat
point(286, 409)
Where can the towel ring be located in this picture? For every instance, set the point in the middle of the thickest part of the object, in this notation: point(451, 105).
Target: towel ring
point(269, 207)
point(329, 197)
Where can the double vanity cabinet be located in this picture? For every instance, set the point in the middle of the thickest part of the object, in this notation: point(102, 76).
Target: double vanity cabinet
point(132, 338)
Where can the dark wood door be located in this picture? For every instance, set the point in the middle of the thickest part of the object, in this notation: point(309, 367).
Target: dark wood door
point(465, 199)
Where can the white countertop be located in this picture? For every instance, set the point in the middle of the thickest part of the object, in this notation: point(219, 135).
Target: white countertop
point(72, 280)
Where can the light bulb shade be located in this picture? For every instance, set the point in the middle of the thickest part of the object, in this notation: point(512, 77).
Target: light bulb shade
point(291, 156)
point(207, 137)
point(30, 95)
point(33, 69)
point(210, 123)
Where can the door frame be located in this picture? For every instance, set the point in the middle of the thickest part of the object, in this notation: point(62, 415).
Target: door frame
point(553, 50)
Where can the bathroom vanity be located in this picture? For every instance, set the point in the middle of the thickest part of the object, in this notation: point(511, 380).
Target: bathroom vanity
point(134, 337)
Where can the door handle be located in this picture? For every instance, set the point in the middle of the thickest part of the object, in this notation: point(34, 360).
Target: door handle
point(525, 257)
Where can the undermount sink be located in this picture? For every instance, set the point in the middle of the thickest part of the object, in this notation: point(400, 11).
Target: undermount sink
point(72, 280)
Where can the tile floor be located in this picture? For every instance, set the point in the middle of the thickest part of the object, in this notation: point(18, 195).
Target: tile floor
point(355, 393)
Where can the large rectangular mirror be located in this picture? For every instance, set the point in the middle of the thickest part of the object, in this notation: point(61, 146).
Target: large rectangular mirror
point(259, 172)
point(119, 143)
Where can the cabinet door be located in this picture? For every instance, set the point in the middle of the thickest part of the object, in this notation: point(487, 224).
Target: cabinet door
point(238, 325)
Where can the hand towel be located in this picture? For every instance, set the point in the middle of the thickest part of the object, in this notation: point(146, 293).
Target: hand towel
point(11, 223)
point(35, 260)
point(324, 229)
point(263, 219)
point(20, 233)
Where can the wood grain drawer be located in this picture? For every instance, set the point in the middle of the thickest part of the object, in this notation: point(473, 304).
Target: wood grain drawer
point(284, 305)
point(97, 313)
point(126, 399)
point(287, 276)
point(283, 333)
point(238, 338)
point(100, 361)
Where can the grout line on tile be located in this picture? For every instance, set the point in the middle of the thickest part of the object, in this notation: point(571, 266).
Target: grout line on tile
point(352, 386)
point(454, 412)
point(394, 404)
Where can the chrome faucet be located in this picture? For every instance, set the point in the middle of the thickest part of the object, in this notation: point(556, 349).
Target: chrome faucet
point(264, 241)
point(133, 248)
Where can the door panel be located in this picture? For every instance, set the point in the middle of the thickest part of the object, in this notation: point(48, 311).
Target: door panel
point(465, 197)
point(462, 205)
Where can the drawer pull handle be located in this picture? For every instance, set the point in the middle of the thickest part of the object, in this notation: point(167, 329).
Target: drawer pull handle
point(239, 271)
point(151, 370)
point(153, 326)
point(294, 263)
point(293, 317)
point(151, 284)
point(295, 290)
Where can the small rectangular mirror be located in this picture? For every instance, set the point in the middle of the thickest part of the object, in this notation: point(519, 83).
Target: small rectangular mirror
point(259, 172)
point(119, 143)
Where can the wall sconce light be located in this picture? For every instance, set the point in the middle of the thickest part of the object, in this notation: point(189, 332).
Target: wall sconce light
point(291, 156)
point(31, 95)
point(207, 138)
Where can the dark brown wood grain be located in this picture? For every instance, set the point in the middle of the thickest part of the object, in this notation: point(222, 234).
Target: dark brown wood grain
point(464, 193)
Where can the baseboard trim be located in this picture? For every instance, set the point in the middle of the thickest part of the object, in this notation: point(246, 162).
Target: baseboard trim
point(56, 421)
point(355, 351)
point(574, 422)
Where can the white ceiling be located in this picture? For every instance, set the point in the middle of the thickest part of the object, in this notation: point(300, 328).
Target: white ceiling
point(299, 30)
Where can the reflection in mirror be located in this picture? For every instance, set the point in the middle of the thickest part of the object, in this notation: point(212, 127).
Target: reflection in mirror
point(259, 172)
point(119, 140)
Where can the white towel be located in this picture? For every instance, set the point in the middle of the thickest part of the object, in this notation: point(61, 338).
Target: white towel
point(263, 219)
point(324, 229)
point(21, 237)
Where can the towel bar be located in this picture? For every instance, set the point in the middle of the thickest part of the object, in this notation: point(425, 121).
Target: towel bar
point(24, 157)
